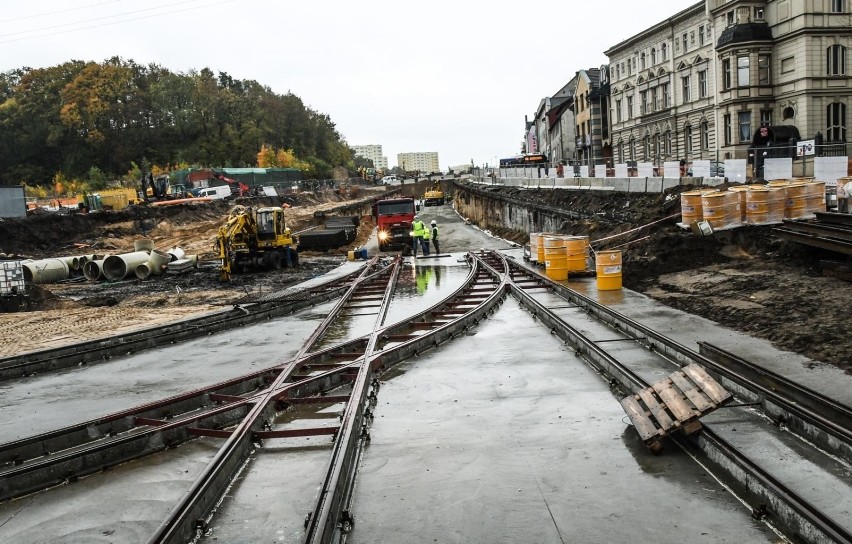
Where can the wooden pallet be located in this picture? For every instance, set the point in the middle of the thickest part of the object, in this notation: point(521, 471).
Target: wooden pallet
point(674, 404)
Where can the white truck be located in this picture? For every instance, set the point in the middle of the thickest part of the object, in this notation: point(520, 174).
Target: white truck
point(216, 193)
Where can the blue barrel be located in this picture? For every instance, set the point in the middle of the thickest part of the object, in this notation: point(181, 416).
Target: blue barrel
point(363, 253)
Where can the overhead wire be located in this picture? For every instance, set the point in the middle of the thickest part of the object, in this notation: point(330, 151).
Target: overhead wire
point(169, 12)
point(45, 14)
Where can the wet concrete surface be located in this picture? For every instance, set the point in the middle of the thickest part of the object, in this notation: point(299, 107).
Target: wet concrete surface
point(505, 436)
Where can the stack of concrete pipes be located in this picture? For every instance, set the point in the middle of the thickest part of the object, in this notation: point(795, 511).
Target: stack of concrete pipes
point(144, 261)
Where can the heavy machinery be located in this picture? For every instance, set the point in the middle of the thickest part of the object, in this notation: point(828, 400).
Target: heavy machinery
point(434, 196)
point(255, 238)
point(394, 217)
point(238, 188)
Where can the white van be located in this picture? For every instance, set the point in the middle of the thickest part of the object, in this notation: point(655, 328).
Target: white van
point(216, 193)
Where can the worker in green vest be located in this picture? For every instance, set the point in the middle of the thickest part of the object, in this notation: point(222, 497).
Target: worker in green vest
point(418, 229)
point(424, 241)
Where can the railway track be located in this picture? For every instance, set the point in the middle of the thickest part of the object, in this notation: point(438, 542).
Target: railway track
point(242, 412)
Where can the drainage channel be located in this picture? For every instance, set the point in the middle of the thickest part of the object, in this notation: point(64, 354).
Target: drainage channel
point(105, 349)
point(632, 354)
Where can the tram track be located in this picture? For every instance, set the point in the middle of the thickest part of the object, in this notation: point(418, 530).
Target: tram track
point(242, 411)
point(67, 454)
point(803, 412)
point(104, 349)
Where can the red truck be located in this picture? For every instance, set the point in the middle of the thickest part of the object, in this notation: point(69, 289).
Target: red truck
point(393, 218)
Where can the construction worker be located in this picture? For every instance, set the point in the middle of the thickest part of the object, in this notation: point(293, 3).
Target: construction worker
point(435, 237)
point(418, 229)
point(424, 241)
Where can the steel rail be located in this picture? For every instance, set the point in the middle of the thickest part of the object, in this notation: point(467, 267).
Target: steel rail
point(336, 488)
point(330, 519)
point(103, 349)
point(797, 515)
point(187, 518)
point(780, 398)
point(816, 428)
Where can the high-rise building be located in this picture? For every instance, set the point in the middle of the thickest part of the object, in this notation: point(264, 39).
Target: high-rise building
point(372, 152)
point(426, 162)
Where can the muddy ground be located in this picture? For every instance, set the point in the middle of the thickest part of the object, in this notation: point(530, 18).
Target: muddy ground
point(746, 278)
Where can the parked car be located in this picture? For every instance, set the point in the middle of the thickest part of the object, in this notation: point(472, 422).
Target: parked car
point(390, 180)
point(717, 170)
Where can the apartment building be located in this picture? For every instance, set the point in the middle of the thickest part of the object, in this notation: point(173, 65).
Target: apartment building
point(424, 162)
point(372, 152)
point(781, 62)
point(663, 92)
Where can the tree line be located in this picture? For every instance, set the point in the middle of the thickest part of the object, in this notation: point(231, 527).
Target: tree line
point(66, 120)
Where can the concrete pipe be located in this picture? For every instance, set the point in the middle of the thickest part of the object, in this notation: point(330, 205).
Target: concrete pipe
point(143, 271)
point(117, 267)
point(193, 259)
point(72, 262)
point(176, 253)
point(45, 271)
point(143, 244)
point(93, 270)
point(157, 262)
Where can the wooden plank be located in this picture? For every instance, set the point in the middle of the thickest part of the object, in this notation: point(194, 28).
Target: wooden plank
point(644, 426)
point(708, 385)
point(658, 411)
point(674, 401)
point(701, 402)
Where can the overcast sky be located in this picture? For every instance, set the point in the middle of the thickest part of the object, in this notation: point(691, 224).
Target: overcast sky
point(451, 76)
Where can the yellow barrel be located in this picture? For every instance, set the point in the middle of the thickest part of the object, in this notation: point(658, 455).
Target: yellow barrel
point(741, 192)
point(350, 255)
point(577, 250)
point(715, 209)
point(794, 207)
point(540, 257)
point(555, 258)
point(534, 241)
point(608, 265)
point(815, 197)
point(757, 206)
point(690, 206)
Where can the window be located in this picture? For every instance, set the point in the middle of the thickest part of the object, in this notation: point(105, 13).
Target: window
point(655, 99)
point(837, 6)
point(728, 133)
point(726, 74)
point(745, 126)
point(758, 14)
point(742, 71)
point(705, 135)
point(667, 142)
point(618, 111)
point(835, 60)
point(642, 61)
point(730, 18)
point(684, 38)
point(657, 145)
point(664, 53)
point(643, 98)
point(685, 82)
point(701, 35)
point(621, 151)
point(763, 73)
point(665, 87)
point(687, 139)
point(766, 117)
point(629, 107)
point(702, 84)
point(836, 131)
point(646, 147)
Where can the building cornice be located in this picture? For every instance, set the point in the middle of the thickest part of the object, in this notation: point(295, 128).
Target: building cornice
point(676, 18)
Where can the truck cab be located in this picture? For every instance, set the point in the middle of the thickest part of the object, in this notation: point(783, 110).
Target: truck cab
point(393, 218)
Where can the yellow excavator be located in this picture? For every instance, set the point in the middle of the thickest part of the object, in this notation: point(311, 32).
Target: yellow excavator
point(255, 238)
point(434, 196)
